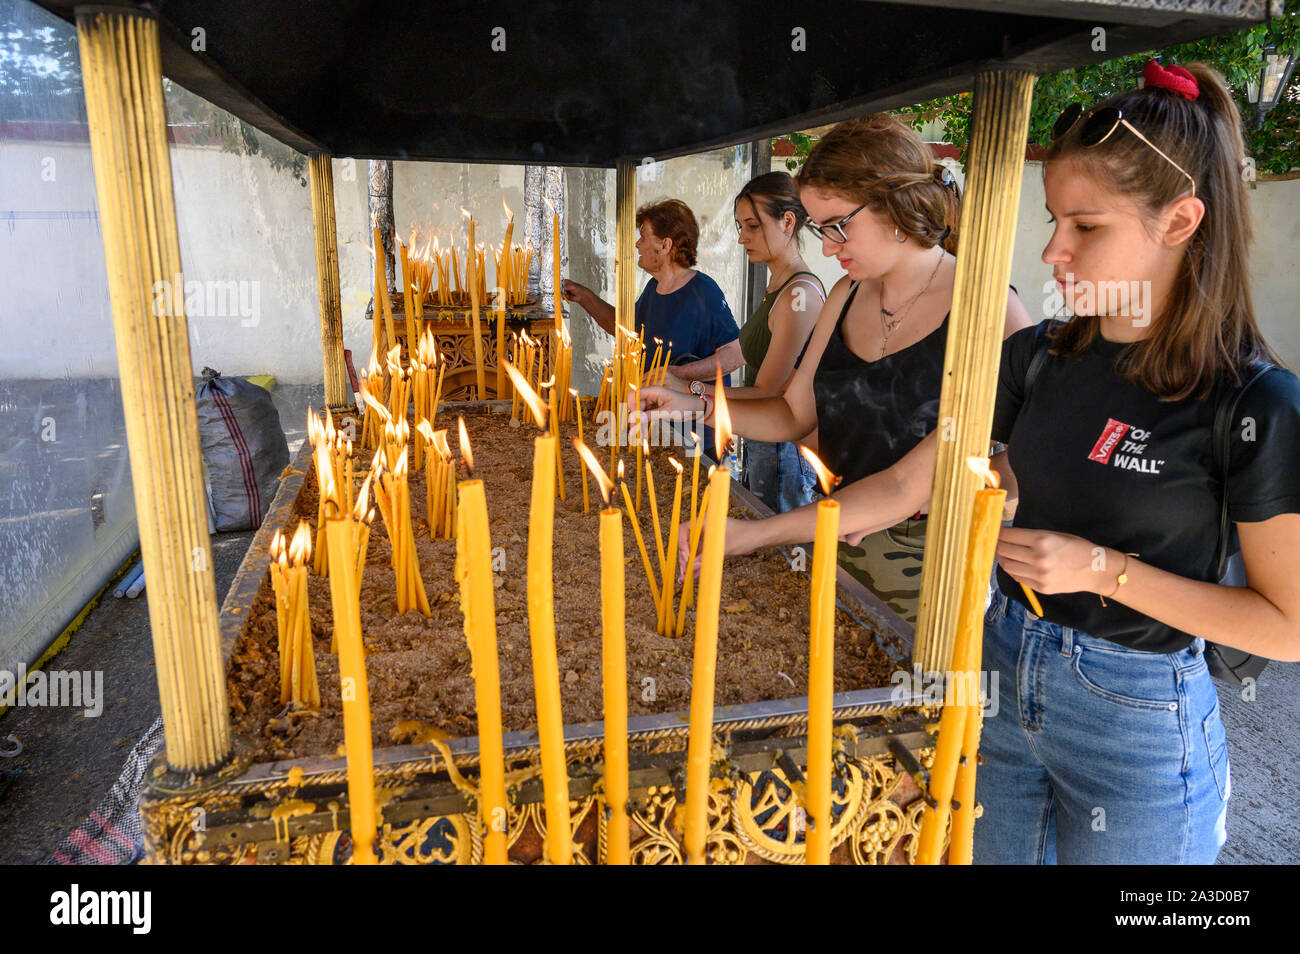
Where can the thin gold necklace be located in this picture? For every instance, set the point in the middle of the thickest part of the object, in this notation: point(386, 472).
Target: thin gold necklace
point(887, 328)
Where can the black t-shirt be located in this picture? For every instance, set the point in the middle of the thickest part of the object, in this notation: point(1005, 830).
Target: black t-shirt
point(1105, 459)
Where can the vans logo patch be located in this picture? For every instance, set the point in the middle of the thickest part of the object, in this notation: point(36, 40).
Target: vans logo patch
point(1124, 447)
point(1110, 437)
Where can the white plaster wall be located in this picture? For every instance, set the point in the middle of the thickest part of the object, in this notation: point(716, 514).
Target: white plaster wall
point(242, 221)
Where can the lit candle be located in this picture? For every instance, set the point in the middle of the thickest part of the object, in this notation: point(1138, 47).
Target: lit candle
point(577, 410)
point(954, 733)
point(474, 574)
point(408, 302)
point(559, 298)
point(640, 541)
point(554, 419)
point(345, 602)
point(699, 752)
point(541, 631)
point(474, 287)
point(613, 665)
point(503, 279)
point(667, 571)
point(688, 590)
point(654, 512)
point(381, 289)
point(821, 670)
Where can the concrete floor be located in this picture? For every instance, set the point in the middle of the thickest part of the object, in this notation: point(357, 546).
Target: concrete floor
point(69, 761)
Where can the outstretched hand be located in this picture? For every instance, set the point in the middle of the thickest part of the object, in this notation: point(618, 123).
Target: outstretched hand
point(657, 401)
point(741, 538)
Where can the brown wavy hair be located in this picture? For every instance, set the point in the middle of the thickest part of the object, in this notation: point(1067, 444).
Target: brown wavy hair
point(1207, 326)
point(673, 219)
point(775, 194)
point(879, 161)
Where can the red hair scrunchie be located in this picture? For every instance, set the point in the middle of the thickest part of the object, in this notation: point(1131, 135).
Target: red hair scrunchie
point(1174, 78)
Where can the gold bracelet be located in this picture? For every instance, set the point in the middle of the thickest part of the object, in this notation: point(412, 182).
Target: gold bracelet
point(1119, 580)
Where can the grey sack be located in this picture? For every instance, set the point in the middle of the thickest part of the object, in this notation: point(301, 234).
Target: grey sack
point(244, 449)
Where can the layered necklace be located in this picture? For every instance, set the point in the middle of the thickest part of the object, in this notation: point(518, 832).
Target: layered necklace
point(889, 320)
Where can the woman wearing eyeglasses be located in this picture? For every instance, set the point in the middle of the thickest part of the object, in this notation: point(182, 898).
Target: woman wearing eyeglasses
point(1107, 745)
point(769, 220)
point(869, 381)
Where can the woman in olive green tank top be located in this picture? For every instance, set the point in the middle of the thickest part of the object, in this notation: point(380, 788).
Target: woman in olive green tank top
point(769, 222)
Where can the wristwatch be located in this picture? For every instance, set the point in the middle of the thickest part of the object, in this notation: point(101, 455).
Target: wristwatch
point(697, 388)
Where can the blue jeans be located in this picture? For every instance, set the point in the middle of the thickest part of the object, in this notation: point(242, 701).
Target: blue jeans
point(1097, 754)
point(778, 475)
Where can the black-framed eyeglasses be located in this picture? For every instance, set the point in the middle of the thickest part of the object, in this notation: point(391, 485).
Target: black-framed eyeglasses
point(1098, 126)
point(834, 230)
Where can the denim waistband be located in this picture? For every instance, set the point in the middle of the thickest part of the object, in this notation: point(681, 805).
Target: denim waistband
point(1069, 637)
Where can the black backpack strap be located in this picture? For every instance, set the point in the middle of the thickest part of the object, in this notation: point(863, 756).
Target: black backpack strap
point(1225, 412)
point(1042, 342)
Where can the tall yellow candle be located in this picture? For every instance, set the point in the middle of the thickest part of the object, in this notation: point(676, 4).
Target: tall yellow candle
point(577, 410)
point(381, 290)
point(480, 384)
point(670, 556)
point(541, 632)
point(408, 301)
point(636, 532)
point(688, 586)
point(654, 513)
point(699, 751)
point(986, 520)
point(559, 299)
point(344, 599)
point(821, 671)
point(474, 573)
point(613, 666)
point(503, 279)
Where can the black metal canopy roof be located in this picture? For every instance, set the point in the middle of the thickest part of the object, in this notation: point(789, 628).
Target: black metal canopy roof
point(588, 82)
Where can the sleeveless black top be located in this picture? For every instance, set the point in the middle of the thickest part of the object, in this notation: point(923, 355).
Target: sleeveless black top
point(871, 413)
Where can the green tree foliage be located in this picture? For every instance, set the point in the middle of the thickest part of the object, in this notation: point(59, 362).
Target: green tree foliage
point(1275, 144)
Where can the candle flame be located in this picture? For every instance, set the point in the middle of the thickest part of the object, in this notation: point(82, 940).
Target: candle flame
point(440, 444)
point(980, 465)
point(375, 405)
point(824, 475)
point(509, 214)
point(424, 430)
point(620, 468)
point(300, 545)
point(362, 496)
point(602, 478)
point(676, 466)
point(722, 427)
point(277, 545)
point(529, 396)
point(465, 212)
point(427, 349)
point(313, 428)
point(465, 451)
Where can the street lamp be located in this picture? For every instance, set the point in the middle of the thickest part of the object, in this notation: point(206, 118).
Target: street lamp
point(1274, 75)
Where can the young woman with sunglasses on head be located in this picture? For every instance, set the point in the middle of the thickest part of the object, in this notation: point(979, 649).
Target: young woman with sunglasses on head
point(1107, 745)
point(769, 222)
point(869, 380)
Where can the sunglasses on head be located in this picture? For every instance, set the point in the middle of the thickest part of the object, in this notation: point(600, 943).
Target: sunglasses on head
point(1099, 124)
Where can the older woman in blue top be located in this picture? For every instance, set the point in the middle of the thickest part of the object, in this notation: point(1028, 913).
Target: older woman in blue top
point(682, 307)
